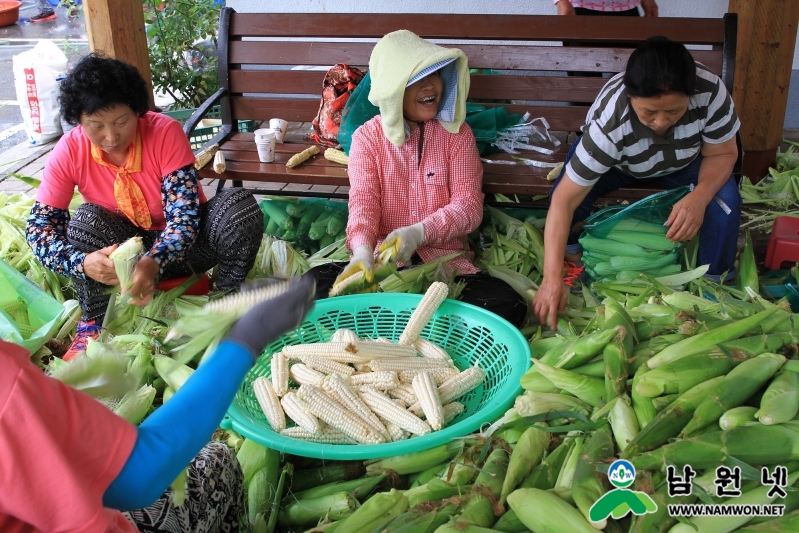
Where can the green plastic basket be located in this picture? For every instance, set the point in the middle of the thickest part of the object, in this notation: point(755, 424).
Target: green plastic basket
point(469, 334)
point(200, 136)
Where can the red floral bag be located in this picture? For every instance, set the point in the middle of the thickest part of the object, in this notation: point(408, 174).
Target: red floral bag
point(338, 84)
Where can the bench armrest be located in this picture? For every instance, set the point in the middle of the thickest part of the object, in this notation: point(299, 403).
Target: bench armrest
point(201, 111)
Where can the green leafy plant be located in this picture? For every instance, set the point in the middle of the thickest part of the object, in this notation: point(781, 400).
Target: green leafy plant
point(182, 66)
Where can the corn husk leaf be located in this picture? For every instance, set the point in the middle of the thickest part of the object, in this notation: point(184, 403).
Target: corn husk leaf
point(125, 258)
point(101, 372)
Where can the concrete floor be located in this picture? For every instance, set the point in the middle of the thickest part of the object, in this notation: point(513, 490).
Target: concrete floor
point(69, 34)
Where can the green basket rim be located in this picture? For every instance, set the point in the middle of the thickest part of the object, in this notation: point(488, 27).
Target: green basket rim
point(518, 359)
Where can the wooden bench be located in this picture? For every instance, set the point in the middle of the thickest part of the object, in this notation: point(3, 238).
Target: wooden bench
point(257, 53)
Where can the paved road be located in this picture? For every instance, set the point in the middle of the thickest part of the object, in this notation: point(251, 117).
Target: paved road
point(70, 35)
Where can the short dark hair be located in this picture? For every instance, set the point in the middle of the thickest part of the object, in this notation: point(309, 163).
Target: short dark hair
point(97, 83)
point(660, 66)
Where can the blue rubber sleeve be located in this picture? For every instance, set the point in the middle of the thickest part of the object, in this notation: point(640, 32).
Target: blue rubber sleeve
point(170, 438)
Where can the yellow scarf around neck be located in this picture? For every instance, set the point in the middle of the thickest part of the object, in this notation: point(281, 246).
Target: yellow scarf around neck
point(127, 192)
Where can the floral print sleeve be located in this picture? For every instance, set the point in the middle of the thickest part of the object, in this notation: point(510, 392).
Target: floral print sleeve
point(47, 237)
point(181, 200)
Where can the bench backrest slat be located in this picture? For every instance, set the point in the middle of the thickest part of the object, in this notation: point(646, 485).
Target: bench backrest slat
point(505, 27)
point(538, 88)
point(506, 57)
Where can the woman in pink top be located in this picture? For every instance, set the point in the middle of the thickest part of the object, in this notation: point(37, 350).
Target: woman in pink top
point(415, 172)
point(135, 171)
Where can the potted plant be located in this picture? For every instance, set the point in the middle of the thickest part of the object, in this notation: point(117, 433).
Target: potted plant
point(182, 43)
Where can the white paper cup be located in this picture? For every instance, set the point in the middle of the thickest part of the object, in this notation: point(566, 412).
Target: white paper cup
point(280, 127)
point(264, 134)
point(266, 149)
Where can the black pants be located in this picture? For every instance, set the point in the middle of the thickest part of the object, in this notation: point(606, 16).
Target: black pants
point(214, 498)
point(231, 226)
point(481, 290)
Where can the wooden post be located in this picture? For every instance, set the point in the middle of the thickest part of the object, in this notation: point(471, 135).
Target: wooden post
point(116, 28)
point(766, 38)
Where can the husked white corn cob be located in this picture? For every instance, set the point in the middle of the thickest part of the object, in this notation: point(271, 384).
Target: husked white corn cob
point(383, 340)
point(326, 435)
point(399, 402)
point(344, 335)
point(450, 411)
point(219, 163)
point(440, 375)
point(432, 299)
point(383, 406)
point(382, 380)
point(326, 366)
point(244, 301)
point(299, 413)
point(379, 350)
point(334, 414)
point(269, 402)
point(343, 352)
point(398, 364)
point(404, 392)
point(459, 385)
point(205, 155)
point(426, 390)
point(396, 432)
point(306, 376)
point(280, 373)
point(430, 350)
point(339, 287)
point(455, 387)
point(337, 388)
point(298, 159)
point(337, 156)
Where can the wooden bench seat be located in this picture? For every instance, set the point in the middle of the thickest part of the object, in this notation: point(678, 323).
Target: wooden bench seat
point(257, 81)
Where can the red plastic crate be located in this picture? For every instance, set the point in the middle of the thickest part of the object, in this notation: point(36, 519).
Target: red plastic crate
point(784, 242)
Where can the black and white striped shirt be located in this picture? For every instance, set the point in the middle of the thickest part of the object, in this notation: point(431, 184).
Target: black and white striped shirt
point(614, 137)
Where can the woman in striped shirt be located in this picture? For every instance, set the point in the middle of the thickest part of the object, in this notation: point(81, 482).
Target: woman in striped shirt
point(665, 120)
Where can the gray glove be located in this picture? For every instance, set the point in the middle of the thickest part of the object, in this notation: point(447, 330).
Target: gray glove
point(268, 320)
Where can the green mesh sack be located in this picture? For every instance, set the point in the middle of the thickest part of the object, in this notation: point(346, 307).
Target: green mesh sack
point(356, 113)
point(625, 239)
point(645, 214)
point(485, 122)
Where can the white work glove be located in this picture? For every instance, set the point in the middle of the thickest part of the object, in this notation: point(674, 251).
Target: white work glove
point(404, 242)
point(362, 259)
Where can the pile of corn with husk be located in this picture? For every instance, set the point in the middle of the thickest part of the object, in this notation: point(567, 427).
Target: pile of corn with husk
point(513, 250)
point(776, 195)
point(645, 368)
point(310, 224)
point(632, 246)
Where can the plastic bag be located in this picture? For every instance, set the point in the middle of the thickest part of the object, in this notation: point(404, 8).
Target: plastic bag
point(309, 224)
point(44, 311)
point(622, 240)
point(655, 208)
point(37, 73)
point(357, 112)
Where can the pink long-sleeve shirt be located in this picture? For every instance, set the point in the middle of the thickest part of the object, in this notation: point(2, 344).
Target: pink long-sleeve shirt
point(390, 188)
